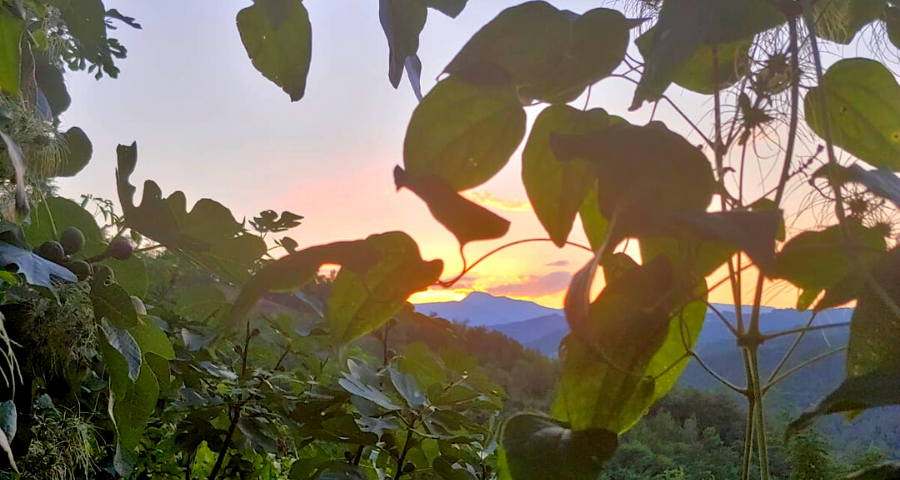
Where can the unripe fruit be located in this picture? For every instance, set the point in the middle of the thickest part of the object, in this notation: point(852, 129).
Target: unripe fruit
point(120, 249)
point(81, 269)
point(52, 251)
point(72, 240)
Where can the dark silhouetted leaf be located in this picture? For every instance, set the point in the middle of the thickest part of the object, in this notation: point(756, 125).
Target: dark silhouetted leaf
point(50, 81)
point(294, 271)
point(363, 301)
point(451, 8)
point(840, 20)
point(463, 133)
point(551, 55)
point(684, 26)
point(467, 221)
point(77, 154)
point(875, 325)
point(642, 170)
point(11, 29)
point(881, 182)
point(875, 389)
point(402, 22)
point(863, 107)
point(881, 471)
point(556, 189)
point(538, 448)
point(113, 303)
point(752, 232)
point(278, 38)
point(697, 73)
point(892, 24)
point(36, 270)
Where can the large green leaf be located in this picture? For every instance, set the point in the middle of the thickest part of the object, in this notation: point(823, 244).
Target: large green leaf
point(130, 274)
point(875, 326)
point(11, 29)
point(418, 362)
point(697, 74)
point(298, 269)
point(551, 55)
point(816, 261)
point(361, 302)
point(463, 133)
point(467, 220)
point(643, 169)
point(558, 189)
point(113, 303)
point(57, 214)
point(199, 302)
point(863, 108)
point(537, 448)
point(52, 85)
point(36, 270)
point(278, 37)
point(633, 334)
point(684, 26)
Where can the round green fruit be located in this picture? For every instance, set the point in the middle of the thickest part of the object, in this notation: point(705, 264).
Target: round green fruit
point(120, 249)
point(52, 251)
point(72, 240)
point(81, 269)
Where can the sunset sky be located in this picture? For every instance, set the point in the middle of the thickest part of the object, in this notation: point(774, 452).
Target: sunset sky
point(208, 123)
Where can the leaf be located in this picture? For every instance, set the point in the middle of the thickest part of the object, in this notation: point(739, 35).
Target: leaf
point(418, 362)
point(37, 271)
point(407, 388)
point(463, 133)
point(402, 22)
point(466, 220)
point(57, 213)
point(112, 303)
point(892, 24)
point(377, 425)
point(557, 190)
point(359, 381)
point(840, 20)
point(450, 8)
point(816, 261)
point(537, 447)
point(11, 29)
point(208, 235)
point(256, 431)
point(671, 174)
point(595, 225)
point(684, 26)
point(881, 471)
point(875, 389)
point(863, 108)
point(77, 152)
point(361, 302)
point(294, 271)
point(875, 325)
point(126, 349)
point(752, 232)
point(131, 275)
point(278, 38)
point(51, 82)
point(199, 302)
point(697, 74)
point(551, 55)
point(632, 334)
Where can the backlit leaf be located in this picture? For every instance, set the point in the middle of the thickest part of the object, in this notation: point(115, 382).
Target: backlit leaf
point(875, 325)
point(556, 189)
point(402, 22)
point(11, 29)
point(537, 448)
point(863, 107)
point(463, 133)
point(278, 38)
point(361, 302)
point(466, 220)
point(418, 362)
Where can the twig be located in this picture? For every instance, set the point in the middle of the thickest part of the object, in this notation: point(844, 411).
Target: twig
point(803, 330)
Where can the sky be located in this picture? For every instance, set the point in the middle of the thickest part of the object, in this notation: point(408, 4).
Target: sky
point(206, 122)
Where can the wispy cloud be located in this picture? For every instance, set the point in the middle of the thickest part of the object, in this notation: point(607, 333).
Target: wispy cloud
point(488, 199)
point(559, 263)
point(533, 286)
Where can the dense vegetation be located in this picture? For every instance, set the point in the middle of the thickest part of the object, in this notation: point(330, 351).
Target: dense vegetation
point(146, 338)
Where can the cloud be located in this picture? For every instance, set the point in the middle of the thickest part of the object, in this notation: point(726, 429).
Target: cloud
point(559, 263)
point(533, 285)
point(488, 199)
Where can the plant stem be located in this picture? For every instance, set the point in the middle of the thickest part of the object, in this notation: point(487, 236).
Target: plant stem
point(236, 412)
point(801, 366)
point(756, 390)
point(795, 110)
point(790, 351)
point(804, 330)
point(409, 433)
point(748, 433)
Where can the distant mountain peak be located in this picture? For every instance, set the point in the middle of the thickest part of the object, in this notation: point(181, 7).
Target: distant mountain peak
point(484, 309)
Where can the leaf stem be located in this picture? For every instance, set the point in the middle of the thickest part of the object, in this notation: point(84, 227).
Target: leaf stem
point(406, 447)
point(801, 366)
point(790, 351)
point(803, 330)
point(756, 390)
point(235, 412)
point(715, 375)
